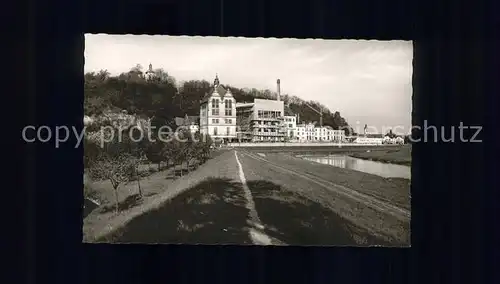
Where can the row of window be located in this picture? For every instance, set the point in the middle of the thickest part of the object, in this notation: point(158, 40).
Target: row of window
point(228, 131)
point(268, 114)
point(266, 130)
point(228, 112)
point(227, 103)
point(227, 121)
point(266, 123)
point(317, 139)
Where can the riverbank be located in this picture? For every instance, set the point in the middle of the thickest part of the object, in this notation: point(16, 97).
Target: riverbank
point(400, 156)
point(326, 186)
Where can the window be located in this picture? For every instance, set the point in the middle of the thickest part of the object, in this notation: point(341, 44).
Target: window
point(229, 121)
point(215, 107)
point(215, 120)
point(229, 107)
point(228, 131)
point(215, 131)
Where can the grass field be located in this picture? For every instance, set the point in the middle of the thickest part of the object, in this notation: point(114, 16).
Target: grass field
point(208, 206)
point(400, 155)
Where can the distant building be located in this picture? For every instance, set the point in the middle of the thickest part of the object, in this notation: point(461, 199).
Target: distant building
point(218, 113)
point(290, 122)
point(262, 120)
point(369, 140)
point(311, 133)
point(188, 122)
point(305, 132)
point(150, 74)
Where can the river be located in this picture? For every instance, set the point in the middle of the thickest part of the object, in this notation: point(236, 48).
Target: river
point(376, 168)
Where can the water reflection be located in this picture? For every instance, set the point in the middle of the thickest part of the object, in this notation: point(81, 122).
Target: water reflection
point(371, 167)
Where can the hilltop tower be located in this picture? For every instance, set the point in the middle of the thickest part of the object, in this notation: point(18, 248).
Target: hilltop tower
point(150, 74)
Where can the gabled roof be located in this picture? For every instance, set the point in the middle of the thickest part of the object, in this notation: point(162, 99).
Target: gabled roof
point(219, 90)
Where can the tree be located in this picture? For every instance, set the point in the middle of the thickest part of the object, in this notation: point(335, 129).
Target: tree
point(168, 152)
point(153, 152)
point(192, 147)
point(137, 156)
point(103, 75)
point(91, 151)
point(179, 154)
point(163, 77)
point(205, 147)
point(115, 168)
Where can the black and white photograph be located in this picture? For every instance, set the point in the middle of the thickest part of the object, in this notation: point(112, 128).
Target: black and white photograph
point(247, 141)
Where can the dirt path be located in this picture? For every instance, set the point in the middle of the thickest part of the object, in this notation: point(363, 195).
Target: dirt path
point(256, 230)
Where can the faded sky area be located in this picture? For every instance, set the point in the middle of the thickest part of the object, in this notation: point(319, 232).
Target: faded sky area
point(368, 82)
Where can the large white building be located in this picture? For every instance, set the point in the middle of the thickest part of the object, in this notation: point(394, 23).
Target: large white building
point(218, 113)
point(310, 133)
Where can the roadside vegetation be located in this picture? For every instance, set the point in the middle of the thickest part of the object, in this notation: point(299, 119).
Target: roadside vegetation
point(113, 165)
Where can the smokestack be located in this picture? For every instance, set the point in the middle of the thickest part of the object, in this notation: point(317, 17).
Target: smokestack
point(278, 95)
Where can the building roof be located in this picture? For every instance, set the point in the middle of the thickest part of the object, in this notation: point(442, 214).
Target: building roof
point(218, 89)
point(238, 105)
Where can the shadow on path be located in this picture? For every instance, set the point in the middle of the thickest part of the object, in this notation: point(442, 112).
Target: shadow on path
point(129, 202)
point(297, 220)
point(211, 212)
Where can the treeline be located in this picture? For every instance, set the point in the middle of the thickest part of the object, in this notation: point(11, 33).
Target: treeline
point(164, 98)
point(117, 158)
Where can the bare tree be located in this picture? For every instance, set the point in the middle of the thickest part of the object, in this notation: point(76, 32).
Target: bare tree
point(161, 75)
point(135, 163)
point(115, 168)
point(167, 153)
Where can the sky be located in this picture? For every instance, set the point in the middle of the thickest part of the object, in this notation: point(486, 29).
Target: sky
point(367, 81)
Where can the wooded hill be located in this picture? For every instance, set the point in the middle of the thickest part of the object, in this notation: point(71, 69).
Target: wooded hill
point(163, 98)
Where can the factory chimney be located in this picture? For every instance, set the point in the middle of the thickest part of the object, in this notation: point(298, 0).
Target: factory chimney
point(278, 95)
